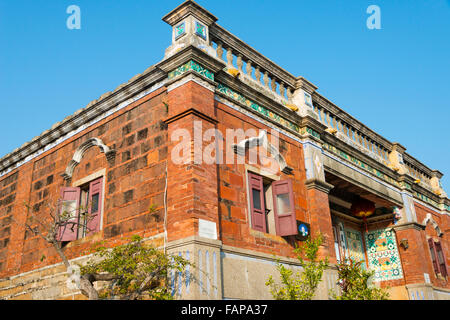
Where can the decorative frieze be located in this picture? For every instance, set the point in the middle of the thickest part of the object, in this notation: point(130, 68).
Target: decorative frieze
point(312, 132)
point(194, 66)
point(361, 164)
point(260, 109)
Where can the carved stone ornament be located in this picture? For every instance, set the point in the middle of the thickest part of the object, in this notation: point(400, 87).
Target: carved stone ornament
point(81, 150)
point(429, 218)
point(263, 141)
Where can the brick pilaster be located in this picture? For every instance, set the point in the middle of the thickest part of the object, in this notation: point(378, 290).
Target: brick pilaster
point(192, 187)
point(320, 217)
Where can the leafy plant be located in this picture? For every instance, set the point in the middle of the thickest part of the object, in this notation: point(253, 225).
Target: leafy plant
point(300, 286)
point(355, 283)
point(136, 270)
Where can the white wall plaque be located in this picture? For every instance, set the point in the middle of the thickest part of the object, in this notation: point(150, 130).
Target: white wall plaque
point(427, 278)
point(207, 229)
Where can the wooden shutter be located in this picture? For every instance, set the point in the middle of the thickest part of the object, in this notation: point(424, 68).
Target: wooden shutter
point(69, 211)
point(94, 205)
point(336, 244)
point(257, 206)
point(440, 259)
point(283, 203)
point(433, 255)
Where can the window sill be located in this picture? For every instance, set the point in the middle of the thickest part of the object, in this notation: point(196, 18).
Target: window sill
point(96, 236)
point(269, 236)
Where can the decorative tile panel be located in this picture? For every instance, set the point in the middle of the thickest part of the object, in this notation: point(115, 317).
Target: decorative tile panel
point(382, 254)
point(180, 30)
point(355, 247)
point(200, 30)
point(308, 99)
point(194, 66)
point(261, 110)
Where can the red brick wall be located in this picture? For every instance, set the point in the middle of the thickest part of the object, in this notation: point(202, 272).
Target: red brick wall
point(192, 187)
point(134, 181)
point(321, 221)
point(443, 223)
point(235, 228)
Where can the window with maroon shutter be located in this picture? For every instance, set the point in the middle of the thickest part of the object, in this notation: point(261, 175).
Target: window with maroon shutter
point(257, 206)
point(433, 255)
point(440, 259)
point(94, 205)
point(283, 203)
point(68, 214)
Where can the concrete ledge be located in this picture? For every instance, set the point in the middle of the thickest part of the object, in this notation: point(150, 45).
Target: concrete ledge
point(409, 225)
point(319, 185)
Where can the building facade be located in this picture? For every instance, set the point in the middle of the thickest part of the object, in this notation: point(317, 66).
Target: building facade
point(218, 154)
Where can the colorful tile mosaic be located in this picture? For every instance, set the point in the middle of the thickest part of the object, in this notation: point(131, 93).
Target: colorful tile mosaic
point(180, 30)
point(382, 254)
point(261, 110)
point(355, 247)
point(200, 30)
point(310, 131)
point(191, 65)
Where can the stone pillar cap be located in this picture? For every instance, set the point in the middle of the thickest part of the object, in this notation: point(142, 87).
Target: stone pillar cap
point(437, 174)
point(302, 83)
point(187, 8)
point(398, 147)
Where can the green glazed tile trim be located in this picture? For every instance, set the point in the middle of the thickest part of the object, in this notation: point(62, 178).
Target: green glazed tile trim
point(425, 198)
point(379, 174)
point(406, 185)
point(261, 110)
point(194, 66)
point(360, 164)
point(311, 132)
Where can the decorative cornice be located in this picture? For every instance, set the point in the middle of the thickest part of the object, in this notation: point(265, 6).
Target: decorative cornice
point(343, 151)
point(191, 65)
point(319, 185)
point(187, 54)
point(398, 147)
point(409, 225)
point(190, 112)
point(189, 8)
point(94, 109)
point(304, 84)
point(273, 115)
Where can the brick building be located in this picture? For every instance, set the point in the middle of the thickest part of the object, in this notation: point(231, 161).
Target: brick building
point(298, 161)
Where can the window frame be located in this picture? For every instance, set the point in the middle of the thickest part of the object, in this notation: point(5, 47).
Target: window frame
point(439, 268)
point(268, 199)
point(85, 185)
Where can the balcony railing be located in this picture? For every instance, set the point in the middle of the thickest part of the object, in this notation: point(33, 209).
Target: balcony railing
point(272, 80)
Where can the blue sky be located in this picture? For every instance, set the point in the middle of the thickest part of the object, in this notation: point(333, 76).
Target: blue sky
point(394, 80)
